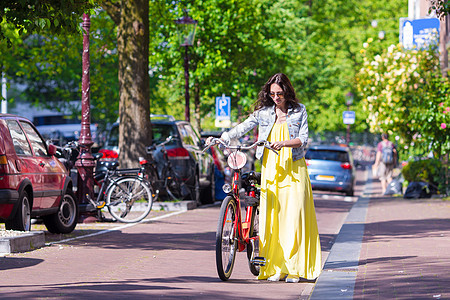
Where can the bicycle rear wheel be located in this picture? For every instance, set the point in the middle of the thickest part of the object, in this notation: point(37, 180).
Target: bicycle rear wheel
point(129, 200)
point(176, 188)
point(226, 242)
point(254, 230)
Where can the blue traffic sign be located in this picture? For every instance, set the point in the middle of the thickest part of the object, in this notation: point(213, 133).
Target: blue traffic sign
point(223, 108)
point(349, 117)
point(419, 33)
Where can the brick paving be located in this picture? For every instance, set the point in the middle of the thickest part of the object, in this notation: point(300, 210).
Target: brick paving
point(170, 258)
point(405, 251)
point(404, 255)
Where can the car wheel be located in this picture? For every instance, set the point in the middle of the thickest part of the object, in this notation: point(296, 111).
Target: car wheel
point(209, 193)
point(22, 219)
point(66, 218)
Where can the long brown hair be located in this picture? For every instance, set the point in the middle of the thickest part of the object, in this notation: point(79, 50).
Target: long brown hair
point(289, 93)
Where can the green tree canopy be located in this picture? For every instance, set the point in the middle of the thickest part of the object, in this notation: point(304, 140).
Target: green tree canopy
point(33, 16)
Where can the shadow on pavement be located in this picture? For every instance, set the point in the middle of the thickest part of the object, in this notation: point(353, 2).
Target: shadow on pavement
point(8, 263)
point(151, 288)
point(404, 277)
point(150, 241)
point(405, 229)
point(327, 241)
point(383, 259)
point(334, 205)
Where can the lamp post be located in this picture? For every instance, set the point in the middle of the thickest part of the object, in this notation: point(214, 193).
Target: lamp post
point(85, 162)
point(348, 101)
point(186, 32)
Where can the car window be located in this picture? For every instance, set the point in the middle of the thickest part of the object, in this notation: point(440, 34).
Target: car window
point(37, 144)
point(19, 140)
point(161, 132)
point(189, 136)
point(333, 155)
point(113, 138)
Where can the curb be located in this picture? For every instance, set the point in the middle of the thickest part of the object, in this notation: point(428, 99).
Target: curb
point(173, 206)
point(22, 243)
point(338, 277)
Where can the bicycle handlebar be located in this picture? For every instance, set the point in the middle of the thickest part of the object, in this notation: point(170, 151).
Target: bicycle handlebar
point(215, 141)
point(153, 147)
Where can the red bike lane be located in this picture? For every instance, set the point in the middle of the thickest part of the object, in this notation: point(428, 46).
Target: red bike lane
point(169, 258)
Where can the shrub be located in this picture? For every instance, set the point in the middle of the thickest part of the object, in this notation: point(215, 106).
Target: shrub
point(427, 170)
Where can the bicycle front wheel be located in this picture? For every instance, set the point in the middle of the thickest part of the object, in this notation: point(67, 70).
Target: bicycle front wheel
point(226, 240)
point(129, 200)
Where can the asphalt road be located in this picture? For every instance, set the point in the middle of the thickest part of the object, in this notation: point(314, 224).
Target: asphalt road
point(171, 256)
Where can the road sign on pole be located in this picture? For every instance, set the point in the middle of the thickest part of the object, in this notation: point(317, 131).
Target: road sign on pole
point(223, 111)
point(349, 117)
point(419, 33)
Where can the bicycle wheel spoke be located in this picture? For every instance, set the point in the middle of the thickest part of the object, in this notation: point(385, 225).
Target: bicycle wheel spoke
point(129, 200)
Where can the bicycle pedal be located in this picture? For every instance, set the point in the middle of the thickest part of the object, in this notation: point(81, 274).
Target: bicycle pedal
point(101, 205)
point(259, 261)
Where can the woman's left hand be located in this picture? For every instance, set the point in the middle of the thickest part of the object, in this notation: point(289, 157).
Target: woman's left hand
point(277, 145)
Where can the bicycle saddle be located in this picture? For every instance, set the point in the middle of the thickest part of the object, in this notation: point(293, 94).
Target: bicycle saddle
point(110, 165)
point(248, 177)
point(97, 155)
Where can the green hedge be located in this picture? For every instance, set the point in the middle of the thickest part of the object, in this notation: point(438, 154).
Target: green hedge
point(427, 170)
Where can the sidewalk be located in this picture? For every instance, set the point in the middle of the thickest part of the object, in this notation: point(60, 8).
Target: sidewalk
point(389, 248)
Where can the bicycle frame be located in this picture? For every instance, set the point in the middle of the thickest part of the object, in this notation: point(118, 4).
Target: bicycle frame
point(235, 233)
point(242, 227)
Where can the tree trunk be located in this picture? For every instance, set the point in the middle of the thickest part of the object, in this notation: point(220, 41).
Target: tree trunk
point(134, 105)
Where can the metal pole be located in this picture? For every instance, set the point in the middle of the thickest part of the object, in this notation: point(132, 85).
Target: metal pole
point(348, 128)
point(186, 85)
point(4, 102)
point(85, 163)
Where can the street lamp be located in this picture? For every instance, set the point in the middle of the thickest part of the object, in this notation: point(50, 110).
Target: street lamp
point(186, 31)
point(348, 101)
point(85, 163)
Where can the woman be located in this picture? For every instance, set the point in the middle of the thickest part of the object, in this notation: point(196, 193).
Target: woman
point(289, 238)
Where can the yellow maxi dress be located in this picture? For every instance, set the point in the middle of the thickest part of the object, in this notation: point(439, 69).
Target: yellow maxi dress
point(289, 238)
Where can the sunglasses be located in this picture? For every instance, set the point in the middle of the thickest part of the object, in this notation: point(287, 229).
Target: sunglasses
point(279, 94)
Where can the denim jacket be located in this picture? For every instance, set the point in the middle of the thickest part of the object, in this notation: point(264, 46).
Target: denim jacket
point(297, 121)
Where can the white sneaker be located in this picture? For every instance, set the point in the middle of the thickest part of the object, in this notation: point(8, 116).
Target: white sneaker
point(292, 279)
point(276, 277)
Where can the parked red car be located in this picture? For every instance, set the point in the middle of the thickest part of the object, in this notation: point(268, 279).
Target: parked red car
point(33, 182)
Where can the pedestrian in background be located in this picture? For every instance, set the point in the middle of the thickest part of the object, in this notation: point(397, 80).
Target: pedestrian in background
point(289, 238)
point(385, 161)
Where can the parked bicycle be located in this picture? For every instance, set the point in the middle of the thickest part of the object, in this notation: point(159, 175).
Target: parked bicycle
point(167, 182)
point(124, 192)
point(233, 232)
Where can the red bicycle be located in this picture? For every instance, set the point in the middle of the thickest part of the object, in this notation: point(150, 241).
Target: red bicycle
point(234, 233)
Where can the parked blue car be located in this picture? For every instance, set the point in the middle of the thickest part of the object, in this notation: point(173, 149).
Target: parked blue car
point(331, 168)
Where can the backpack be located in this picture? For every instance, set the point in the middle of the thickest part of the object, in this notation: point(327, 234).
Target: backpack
point(387, 154)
